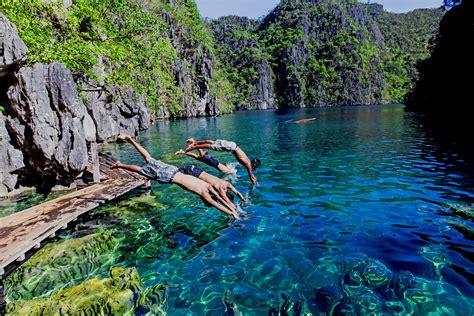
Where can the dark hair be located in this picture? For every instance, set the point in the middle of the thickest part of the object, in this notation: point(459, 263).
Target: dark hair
point(255, 163)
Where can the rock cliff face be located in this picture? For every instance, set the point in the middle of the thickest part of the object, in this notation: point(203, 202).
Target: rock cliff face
point(46, 125)
point(12, 51)
point(244, 58)
point(446, 77)
point(46, 121)
point(11, 160)
point(193, 72)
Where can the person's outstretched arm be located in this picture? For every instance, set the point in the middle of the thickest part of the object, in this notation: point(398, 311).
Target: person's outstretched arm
point(126, 138)
point(251, 175)
point(207, 198)
point(233, 189)
point(220, 197)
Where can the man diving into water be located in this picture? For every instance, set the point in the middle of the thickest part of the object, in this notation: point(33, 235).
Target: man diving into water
point(166, 174)
point(224, 145)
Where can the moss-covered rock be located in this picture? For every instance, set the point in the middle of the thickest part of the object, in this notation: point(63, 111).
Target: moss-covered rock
point(121, 294)
point(60, 265)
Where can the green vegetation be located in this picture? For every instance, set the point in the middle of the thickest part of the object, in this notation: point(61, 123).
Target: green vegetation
point(241, 55)
point(329, 53)
point(408, 39)
point(332, 52)
point(130, 39)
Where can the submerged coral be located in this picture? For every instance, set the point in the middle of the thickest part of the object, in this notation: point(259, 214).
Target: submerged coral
point(121, 294)
point(61, 264)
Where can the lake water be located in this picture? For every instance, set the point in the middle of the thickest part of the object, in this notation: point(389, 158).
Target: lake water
point(360, 211)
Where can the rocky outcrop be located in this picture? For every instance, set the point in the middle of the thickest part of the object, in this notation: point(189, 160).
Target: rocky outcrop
point(11, 160)
point(121, 294)
point(325, 52)
point(60, 265)
point(112, 110)
point(12, 49)
point(46, 122)
point(193, 70)
point(194, 78)
point(244, 57)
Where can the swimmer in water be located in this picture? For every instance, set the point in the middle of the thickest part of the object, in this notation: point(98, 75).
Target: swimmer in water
point(302, 121)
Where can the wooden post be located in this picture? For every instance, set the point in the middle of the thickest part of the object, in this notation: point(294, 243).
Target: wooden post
point(95, 162)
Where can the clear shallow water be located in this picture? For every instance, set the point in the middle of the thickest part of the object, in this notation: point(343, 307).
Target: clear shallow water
point(359, 210)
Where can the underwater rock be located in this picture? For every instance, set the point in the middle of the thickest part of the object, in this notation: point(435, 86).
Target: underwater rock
point(121, 294)
point(187, 295)
point(436, 298)
point(60, 265)
point(370, 273)
point(231, 309)
point(367, 287)
point(251, 297)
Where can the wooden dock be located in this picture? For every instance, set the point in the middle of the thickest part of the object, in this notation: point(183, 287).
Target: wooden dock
point(23, 232)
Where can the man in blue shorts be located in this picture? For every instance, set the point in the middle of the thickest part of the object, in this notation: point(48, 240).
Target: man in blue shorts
point(224, 145)
point(209, 160)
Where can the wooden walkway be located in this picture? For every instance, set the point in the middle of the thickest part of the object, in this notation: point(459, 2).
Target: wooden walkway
point(23, 232)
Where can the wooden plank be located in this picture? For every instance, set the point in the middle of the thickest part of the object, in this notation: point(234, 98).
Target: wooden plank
point(95, 163)
point(27, 230)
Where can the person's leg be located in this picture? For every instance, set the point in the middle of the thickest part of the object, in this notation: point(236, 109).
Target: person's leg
point(199, 142)
point(202, 146)
point(120, 165)
point(223, 168)
point(189, 154)
point(146, 155)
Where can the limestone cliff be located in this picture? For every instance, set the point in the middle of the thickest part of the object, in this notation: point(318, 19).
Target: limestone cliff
point(245, 61)
point(325, 52)
point(46, 125)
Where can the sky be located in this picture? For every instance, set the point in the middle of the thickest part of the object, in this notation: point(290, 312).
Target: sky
point(257, 8)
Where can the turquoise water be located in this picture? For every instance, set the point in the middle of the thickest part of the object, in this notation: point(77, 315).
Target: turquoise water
point(360, 211)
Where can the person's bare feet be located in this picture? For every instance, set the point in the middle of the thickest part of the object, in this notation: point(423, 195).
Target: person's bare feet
point(180, 152)
point(116, 165)
point(190, 140)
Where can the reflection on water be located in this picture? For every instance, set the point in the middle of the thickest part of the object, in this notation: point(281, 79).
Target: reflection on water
point(357, 212)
